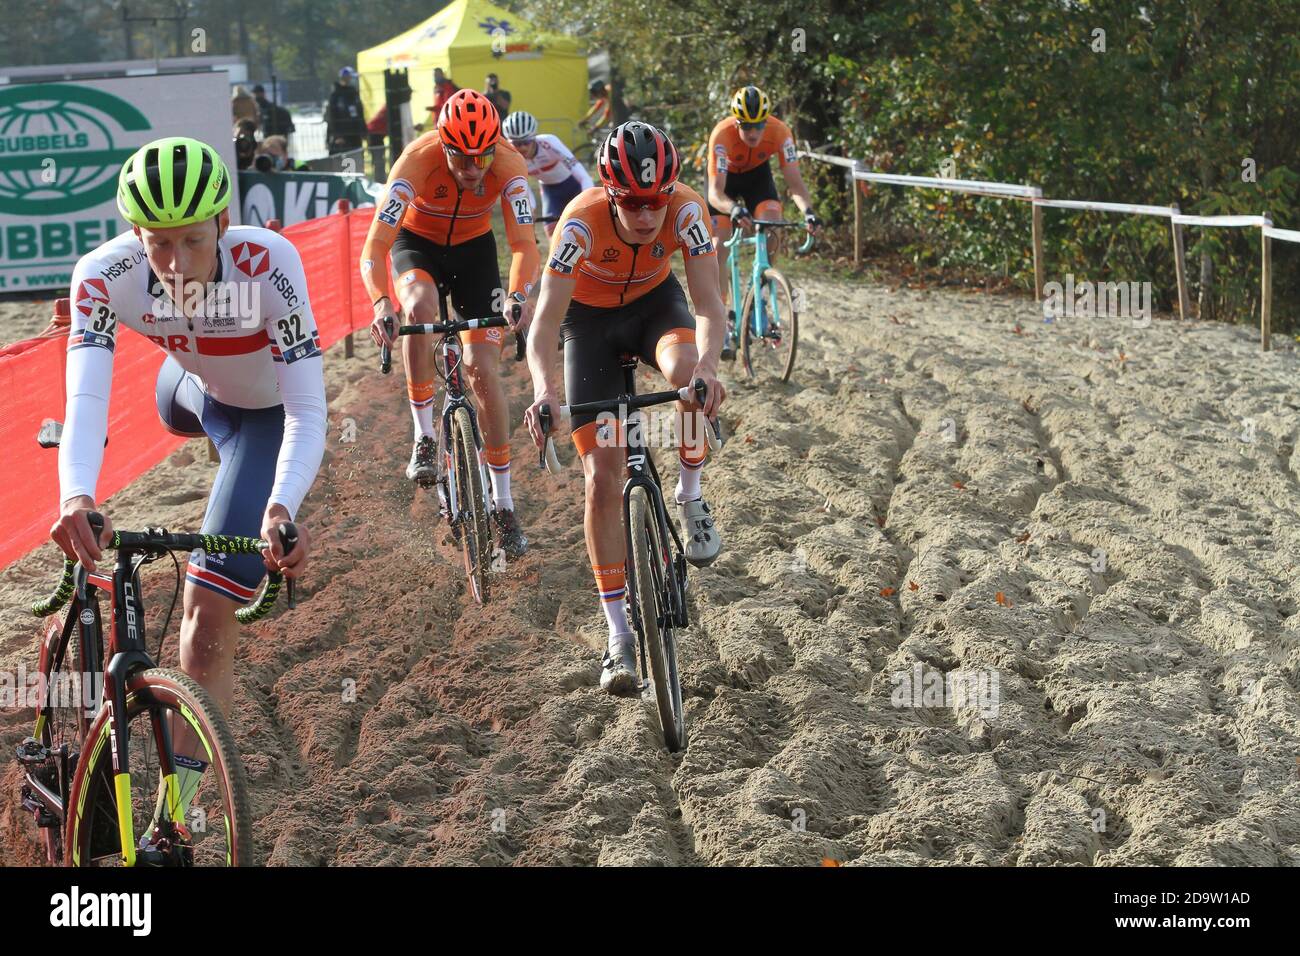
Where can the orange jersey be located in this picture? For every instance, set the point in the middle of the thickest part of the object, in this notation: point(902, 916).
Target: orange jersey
point(609, 271)
point(730, 154)
point(424, 197)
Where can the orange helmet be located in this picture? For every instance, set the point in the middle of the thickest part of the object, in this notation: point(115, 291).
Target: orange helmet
point(469, 122)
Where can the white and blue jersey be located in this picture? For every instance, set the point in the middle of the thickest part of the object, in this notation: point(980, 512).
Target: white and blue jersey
point(244, 367)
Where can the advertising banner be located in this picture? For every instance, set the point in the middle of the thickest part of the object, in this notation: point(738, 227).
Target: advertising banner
point(61, 148)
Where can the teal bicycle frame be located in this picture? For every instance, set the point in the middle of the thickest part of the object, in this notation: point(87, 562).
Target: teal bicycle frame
point(761, 264)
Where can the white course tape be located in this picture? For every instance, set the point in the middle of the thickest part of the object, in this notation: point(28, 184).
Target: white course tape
point(1005, 190)
point(1106, 206)
point(1286, 235)
point(1220, 220)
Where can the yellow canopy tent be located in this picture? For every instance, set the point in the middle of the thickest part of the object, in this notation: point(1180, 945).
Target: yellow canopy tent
point(545, 74)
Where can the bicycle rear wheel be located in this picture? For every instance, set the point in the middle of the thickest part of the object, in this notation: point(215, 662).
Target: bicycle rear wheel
point(772, 354)
point(217, 825)
point(475, 531)
point(651, 615)
point(63, 715)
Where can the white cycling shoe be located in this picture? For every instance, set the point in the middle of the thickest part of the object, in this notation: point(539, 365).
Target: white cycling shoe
point(703, 542)
point(618, 670)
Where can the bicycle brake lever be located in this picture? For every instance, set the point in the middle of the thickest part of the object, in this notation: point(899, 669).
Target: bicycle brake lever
point(288, 541)
point(386, 351)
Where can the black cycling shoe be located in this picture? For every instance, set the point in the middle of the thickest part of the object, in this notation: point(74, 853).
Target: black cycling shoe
point(510, 537)
point(728, 353)
point(423, 468)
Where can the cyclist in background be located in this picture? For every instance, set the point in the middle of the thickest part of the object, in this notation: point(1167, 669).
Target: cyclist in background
point(561, 175)
point(602, 107)
point(436, 219)
point(609, 289)
point(740, 178)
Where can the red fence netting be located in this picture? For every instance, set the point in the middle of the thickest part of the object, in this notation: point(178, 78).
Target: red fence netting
point(32, 388)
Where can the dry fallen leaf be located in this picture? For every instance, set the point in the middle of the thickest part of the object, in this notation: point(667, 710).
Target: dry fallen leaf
point(1002, 599)
point(1023, 538)
point(887, 592)
point(749, 439)
point(827, 861)
point(913, 586)
point(959, 485)
point(880, 520)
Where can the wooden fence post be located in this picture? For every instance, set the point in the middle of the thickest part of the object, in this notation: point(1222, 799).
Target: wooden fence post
point(1180, 265)
point(1039, 265)
point(857, 216)
point(1266, 287)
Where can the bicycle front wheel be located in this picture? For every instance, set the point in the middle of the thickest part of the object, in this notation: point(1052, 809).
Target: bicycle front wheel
point(201, 818)
point(770, 352)
point(475, 532)
point(651, 570)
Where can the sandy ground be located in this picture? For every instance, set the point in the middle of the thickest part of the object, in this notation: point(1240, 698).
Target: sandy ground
point(1091, 526)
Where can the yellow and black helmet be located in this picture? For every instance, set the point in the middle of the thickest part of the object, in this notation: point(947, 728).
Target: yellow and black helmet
point(750, 105)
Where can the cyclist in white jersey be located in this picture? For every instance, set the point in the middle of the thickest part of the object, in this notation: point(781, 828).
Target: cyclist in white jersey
point(561, 175)
point(229, 307)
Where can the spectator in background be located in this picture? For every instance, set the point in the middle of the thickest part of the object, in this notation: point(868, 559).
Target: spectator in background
point(500, 98)
point(245, 143)
point(601, 111)
point(276, 120)
point(443, 87)
point(273, 157)
point(244, 107)
point(345, 119)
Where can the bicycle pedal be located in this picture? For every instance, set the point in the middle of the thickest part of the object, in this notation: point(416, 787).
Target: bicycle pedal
point(31, 751)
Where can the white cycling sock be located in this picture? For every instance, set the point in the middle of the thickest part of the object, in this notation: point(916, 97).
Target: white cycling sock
point(501, 487)
point(688, 482)
point(423, 417)
point(616, 618)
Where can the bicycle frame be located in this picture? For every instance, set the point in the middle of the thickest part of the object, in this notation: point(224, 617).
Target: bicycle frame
point(641, 472)
point(454, 397)
point(761, 264)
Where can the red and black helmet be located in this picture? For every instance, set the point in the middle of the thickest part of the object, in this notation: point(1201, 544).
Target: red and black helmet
point(638, 160)
point(469, 122)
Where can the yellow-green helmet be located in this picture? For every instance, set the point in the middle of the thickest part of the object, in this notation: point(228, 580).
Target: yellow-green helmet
point(750, 105)
point(172, 181)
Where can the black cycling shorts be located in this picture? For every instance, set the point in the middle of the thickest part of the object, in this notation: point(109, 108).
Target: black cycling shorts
point(595, 337)
point(751, 187)
point(468, 270)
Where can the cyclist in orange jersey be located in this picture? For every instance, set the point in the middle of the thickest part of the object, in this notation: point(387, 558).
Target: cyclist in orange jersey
point(436, 221)
point(740, 177)
point(608, 289)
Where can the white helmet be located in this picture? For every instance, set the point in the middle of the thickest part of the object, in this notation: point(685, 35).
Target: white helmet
point(520, 125)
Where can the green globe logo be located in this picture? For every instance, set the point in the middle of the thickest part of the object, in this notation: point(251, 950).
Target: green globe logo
point(58, 147)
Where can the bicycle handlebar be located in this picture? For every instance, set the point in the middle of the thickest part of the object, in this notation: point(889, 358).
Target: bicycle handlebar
point(762, 224)
point(624, 403)
point(446, 328)
point(158, 540)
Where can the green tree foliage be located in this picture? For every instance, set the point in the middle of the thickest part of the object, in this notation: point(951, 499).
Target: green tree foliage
point(1170, 102)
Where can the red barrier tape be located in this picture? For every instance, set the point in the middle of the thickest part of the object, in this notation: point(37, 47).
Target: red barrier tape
point(32, 383)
